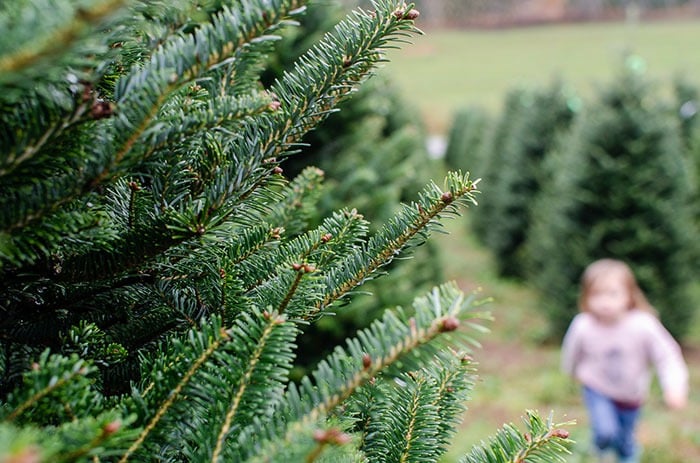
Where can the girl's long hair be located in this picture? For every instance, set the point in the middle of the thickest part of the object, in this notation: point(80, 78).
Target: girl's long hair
point(605, 267)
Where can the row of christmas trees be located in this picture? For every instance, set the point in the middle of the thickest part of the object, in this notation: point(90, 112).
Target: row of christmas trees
point(574, 179)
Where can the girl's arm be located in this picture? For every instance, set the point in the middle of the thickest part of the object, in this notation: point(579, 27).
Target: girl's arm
point(667, 357)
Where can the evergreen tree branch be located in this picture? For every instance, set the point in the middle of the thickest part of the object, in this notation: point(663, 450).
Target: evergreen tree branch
point(11, 161)
point(175, 393)
point(336, 236)
point(136, 95)
point(413, 220)
point(373, 352)
point(543, 442)
point(412, 437)
point(247, 355)
point(59, 39)
point(141, 96)
point(432, 402)
point(454, 384)
point(307, 96)
point(299, 273)
point(50, 375)
point(245, 383)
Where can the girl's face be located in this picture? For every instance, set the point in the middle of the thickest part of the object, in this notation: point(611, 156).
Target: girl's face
point(609, 297)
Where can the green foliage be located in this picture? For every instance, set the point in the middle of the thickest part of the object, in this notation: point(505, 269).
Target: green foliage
point(620, 187)
point(687, 107)
point(373, 155)
point(541, 443)
point(515, 173)
point(493, 146)
point(157, 269)
point(467, 133)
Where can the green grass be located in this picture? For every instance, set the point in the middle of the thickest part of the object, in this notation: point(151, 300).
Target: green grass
point(446, 70)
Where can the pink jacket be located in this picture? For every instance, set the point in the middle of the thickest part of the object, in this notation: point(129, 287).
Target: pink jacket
point(616, 359)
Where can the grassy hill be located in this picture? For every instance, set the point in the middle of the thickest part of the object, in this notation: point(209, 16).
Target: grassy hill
point(448, 69)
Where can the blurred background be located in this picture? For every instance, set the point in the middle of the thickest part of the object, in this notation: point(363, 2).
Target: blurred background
point(581, 119)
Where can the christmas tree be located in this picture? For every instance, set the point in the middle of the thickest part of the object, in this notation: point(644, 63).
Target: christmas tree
point(153, 292)
point(516, 172)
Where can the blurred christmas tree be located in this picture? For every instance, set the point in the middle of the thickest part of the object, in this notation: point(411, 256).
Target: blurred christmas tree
point(515, 172)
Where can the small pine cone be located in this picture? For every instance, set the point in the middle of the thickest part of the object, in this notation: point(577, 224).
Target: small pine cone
point(366, 361)
point(331, 436)
point(449, 324)
point(309, 268)
point(447, 197)
point(111, 428)
point(101, 109)
point(401, 13)
point(412, 14)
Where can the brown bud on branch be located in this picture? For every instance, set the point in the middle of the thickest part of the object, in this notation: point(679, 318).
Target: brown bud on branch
point(111, 428)
point(412, 14)
point(308, 268)
point(331, 436)
point(449, 324)
point(559, 433)
point(101, 109)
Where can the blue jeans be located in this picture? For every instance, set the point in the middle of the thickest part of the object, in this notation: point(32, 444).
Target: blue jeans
point(613, 425)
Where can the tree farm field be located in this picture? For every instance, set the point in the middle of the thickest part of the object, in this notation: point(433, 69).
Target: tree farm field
point(445, 70)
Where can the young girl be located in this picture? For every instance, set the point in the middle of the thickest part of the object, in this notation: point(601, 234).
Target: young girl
point(609, 348)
